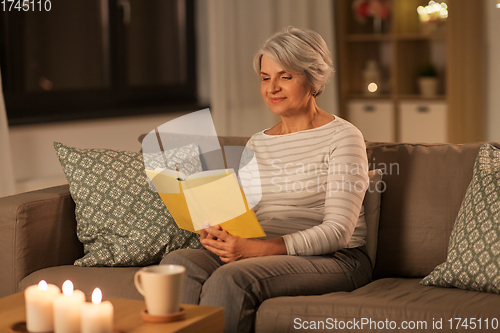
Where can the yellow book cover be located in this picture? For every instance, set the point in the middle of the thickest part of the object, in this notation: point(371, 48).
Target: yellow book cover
point(211, 196)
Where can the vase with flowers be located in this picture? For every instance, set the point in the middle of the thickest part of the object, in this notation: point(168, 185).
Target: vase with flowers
point(376, 10)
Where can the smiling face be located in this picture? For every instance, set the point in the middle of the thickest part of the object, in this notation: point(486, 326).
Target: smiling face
point(284, 93)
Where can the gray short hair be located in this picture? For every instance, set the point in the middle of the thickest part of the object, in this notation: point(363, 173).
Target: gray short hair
point(299, 51)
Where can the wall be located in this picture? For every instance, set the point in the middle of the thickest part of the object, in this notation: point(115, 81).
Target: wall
point(493, 71)
point(35, 161)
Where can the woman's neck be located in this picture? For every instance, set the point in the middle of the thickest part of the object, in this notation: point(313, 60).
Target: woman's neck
point(313, 118)
point(299, 122)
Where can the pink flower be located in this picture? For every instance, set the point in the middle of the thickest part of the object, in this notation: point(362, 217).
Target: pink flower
point(371, 8)
point(362, 9)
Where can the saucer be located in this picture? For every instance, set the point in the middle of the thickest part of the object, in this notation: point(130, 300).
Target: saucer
point(180, 315)
point(20, 327)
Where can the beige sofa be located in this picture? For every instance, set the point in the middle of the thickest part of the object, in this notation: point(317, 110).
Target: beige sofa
point(424, 188)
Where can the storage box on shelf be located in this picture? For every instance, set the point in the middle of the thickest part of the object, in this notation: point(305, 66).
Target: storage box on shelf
point(375, 119)
point(423, 121)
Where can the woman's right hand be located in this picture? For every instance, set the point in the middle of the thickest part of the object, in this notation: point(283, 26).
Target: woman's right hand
point(204, 234)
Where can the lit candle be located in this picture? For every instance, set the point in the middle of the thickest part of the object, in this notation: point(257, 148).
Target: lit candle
point(39, 306)
point(97, 317)
point(67, 309)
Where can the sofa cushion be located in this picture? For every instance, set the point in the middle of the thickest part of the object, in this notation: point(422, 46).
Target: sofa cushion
point(121, 221)
point(385, 300)
point(473, 260)
point(424, 188)
point(114, 282)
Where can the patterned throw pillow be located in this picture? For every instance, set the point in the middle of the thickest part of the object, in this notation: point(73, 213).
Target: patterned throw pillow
point(121, 221)
point(473, 260)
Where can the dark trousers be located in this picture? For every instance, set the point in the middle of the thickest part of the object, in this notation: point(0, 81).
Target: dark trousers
point(240, 287)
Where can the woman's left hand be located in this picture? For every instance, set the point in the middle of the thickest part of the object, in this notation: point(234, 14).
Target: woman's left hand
point(231, 248)
point(228, 248)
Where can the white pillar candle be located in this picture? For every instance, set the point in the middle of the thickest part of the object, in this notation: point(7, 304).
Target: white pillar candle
point(68, 309)
point(97, 317)
point(39, 306)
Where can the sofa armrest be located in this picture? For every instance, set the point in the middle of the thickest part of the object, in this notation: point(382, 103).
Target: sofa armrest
point(37, 230)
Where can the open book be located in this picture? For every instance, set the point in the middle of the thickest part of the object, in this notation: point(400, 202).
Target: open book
point(212, 197)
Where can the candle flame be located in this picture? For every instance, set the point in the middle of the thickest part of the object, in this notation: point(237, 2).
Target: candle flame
point(96, 296)
point(42, 285)
point(67, 288)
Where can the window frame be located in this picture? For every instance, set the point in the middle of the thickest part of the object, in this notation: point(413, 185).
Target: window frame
point(117, 100)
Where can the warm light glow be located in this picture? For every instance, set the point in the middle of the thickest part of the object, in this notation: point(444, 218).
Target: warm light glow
point(67, 288)
point(434, 11)
point(498, 4)
point(372, 87)
point(96, 296)
point(42, 285)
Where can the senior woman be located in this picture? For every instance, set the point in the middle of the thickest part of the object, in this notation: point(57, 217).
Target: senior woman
point(313, 176)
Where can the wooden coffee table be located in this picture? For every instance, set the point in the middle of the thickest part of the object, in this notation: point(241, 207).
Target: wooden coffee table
point(128, 317)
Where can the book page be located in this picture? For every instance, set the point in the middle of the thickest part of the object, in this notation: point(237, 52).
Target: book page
point(165, 181)
point(215, 202)
point(209, 173)
point(177, 206)
point(205, 177)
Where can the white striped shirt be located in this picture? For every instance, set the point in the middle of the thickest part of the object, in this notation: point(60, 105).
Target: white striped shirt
point(313, 184)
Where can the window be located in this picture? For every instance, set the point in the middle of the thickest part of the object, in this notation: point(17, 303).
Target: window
point(95, 58)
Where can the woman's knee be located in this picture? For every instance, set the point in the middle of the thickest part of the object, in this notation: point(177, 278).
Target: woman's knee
point(228, 278)
point(199, 263)
point(178, 257)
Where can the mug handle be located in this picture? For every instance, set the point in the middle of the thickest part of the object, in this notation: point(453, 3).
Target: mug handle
point(137, 282)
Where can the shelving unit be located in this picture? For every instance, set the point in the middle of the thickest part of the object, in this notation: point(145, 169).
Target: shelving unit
point(400, 50)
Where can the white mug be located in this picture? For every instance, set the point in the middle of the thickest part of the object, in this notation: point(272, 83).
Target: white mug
point(161, 287)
